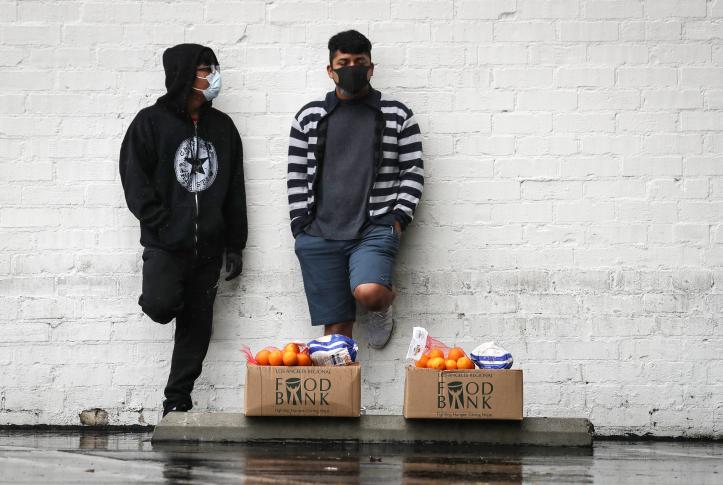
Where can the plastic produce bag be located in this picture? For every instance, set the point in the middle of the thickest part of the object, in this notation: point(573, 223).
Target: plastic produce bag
point(298, 348)
point(250, 355)
point(422, 343)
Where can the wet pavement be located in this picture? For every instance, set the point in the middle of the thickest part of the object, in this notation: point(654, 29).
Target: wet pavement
point(103, 458)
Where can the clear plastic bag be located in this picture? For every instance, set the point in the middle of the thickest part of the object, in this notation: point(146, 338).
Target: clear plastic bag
point(422, 343)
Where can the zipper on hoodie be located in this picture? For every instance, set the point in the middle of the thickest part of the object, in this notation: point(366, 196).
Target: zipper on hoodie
point(195, 194)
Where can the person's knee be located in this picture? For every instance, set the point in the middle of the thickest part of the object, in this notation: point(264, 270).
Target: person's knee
point(373, 296)
point(160, 310)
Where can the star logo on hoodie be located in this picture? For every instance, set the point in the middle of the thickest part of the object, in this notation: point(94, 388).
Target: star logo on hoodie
point(196, 164)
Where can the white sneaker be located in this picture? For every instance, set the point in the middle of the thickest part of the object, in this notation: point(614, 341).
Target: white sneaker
point(380, 325)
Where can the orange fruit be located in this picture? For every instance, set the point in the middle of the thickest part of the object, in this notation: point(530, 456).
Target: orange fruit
point(290, 358)
point(450, 364)
point(303, 359)
point(456, 353)
point(262, 358)
point(436, 363)
point(422, 362)
point(291, 347)
point(276, 358)
point(436, 353)
point(465, 363)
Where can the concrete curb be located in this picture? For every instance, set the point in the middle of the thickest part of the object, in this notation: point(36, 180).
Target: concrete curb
point(235, 427)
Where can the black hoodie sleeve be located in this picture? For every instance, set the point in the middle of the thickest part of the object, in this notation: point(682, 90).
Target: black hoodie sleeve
point(234, 210)
point(137, 163)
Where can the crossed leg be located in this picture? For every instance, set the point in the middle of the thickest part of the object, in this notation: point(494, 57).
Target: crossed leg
point(373, 296)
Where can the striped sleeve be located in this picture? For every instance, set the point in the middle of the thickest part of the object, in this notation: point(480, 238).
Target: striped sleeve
point(296, 185)
point(411, 170)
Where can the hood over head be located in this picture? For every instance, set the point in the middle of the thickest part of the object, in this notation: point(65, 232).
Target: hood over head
point(180, 63)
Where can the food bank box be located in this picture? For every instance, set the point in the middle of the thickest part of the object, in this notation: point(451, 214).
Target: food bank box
point(463, 394)
point(303, 391)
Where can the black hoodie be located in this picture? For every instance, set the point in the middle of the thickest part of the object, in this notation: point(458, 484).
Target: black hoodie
point(185, 182)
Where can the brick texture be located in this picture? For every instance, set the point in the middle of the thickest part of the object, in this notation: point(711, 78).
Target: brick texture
point(573, 211)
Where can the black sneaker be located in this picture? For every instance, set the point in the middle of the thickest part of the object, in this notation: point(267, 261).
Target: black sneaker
point(172, 407)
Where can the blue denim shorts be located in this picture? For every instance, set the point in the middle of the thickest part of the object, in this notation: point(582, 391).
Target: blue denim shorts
point(333, 269)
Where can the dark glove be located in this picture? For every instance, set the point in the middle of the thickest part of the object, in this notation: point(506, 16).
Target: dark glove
point(234, 265)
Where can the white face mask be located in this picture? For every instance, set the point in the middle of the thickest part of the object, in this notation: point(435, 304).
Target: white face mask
point(214, 84)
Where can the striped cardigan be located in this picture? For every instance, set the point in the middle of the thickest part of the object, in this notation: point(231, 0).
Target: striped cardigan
point(399, 171)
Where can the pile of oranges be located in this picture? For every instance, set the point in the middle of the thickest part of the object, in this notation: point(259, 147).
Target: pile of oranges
point(455, 359)
point(290, 356)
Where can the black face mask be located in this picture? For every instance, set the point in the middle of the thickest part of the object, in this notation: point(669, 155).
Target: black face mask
point(352, 79)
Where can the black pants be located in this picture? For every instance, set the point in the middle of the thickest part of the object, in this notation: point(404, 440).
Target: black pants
point(177, 285)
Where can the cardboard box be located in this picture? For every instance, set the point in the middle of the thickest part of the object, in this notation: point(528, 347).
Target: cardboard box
point(303, 391)
point(463, 394)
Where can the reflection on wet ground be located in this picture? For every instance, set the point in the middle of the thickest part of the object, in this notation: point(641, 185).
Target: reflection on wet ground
point(103, 458)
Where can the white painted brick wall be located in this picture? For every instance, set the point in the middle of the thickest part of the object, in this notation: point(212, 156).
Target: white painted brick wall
point(573, 209)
